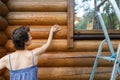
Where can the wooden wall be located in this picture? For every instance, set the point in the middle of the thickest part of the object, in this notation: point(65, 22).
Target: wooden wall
point(3, 37)
point(58, 62)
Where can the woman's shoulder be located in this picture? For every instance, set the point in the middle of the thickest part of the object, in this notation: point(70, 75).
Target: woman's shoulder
point(4, 60)
point(5, 57)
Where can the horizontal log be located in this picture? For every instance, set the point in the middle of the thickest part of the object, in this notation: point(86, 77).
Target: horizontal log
point(70, 73)
point(61, 45)
point(42, 31)
point(3, 52)
point(3, 9)
point(3, 23)
point(3, 38)
point(71, 59)
point(46, 18)
point(41, 6)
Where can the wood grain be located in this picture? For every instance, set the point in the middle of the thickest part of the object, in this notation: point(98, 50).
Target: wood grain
point(71, 59)
point(37, 18)
point(38, 5)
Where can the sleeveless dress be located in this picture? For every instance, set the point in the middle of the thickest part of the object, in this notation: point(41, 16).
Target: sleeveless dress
point(29, 73)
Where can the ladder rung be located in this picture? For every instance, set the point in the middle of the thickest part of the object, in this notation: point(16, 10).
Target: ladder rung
point(107, 58)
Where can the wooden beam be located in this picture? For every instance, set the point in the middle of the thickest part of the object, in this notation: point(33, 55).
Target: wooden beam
point(71, 59)
point(3, 9)
point(41, 6)
point(70, 23)
point(37, 18)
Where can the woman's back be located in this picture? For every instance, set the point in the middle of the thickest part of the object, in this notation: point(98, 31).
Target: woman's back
point(22, 67)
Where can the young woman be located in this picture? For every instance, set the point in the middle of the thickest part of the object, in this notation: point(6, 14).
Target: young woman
point(23, 63)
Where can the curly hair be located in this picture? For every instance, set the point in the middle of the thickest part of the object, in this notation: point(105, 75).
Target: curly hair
point(19, 37)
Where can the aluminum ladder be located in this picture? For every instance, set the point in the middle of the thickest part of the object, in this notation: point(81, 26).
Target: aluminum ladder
point(114, 57)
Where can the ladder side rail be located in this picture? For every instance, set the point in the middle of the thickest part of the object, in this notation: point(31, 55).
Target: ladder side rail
point(96, 60)
point(106, 34)
point(116, 64)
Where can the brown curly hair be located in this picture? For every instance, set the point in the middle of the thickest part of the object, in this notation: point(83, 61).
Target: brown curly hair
point(19, 37)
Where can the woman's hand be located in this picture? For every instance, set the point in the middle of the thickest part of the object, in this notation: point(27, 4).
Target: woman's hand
point(55, 28)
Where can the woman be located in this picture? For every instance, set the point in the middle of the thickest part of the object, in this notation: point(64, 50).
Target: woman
point(23, 63)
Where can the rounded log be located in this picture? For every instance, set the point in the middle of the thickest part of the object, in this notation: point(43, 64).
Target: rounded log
point(42, 31)
point(71, 59)
point(3, 23)
point(70, 73)
point(73, 73)
point(3, 52)
point(61, 45)
point(37, 18)
point(3, 9)
point(38, 5)
point(3, 38)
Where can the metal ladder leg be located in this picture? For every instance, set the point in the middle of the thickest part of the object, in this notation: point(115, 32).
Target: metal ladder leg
point(116, 65)
point(96, 60)
point(113, 55)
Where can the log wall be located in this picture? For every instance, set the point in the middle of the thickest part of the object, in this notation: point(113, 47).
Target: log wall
point(3, 37)
point(58, 62)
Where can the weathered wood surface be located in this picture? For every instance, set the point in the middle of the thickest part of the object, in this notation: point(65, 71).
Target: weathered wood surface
point(61, 45)
point(70, 73)
point(3, 38)
point(71, 59)
point(40, 31)
point(46, 18)
point(70, 16)
point(38, 5)
point(3, 52)
point(3, 9)
point(3, 23)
